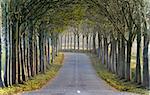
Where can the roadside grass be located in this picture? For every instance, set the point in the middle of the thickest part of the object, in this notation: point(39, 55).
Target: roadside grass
point(38, 81)
point(113, 80)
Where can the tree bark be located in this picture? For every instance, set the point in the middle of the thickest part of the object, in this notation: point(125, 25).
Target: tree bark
point(99, 45)
point(94, 43)
point(71, 43)
point(138, 59)
point(41, 48)
point(22, 62)
point(83, 42)
point(14, 32)
point(128, 69)
point(6, 46)
point(48, 43)
point(87, 42)
point(122, 58)
point(78, 41)
point(74, 41)
point(146, 80)
point(31, 48)
point(1, 82)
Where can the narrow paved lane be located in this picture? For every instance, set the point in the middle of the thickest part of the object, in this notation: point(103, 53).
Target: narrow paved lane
point(76, 77)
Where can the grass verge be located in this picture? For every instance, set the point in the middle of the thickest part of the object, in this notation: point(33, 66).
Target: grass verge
point(37, 81)
point(113, 79)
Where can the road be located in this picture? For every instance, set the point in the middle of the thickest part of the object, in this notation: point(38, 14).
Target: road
point(77, 77)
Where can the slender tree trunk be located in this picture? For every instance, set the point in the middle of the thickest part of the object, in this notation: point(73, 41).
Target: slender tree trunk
point(56, 45)
point(74, 41)
point(128, 69)
point(36, 57)
point(6, 47)
point(138, 59)
point(53, 50)
point(27, 58)
point(87, 42)
point(1, 83)
point(14, 27)
point(71, 43)
point(122, 58)
point(119, 67)
point(115, 56)
point(68, 43)
point(94, 43)
point(99, 45)
point(22, 62)
point(61, 42)
point(65, 47)
point(90, 42)
point(48, 43)
point(83, 42)
point(105, 52)
point(18, 56)
point(10, 54)
point(31, 48)
point(110, 58)
point(146, 79)
point(78, 41)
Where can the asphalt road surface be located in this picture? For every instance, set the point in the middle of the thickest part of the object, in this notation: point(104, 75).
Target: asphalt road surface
point(77, 77)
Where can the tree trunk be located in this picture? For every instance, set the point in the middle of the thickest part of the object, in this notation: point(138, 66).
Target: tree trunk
point(138, 59)
point(18, 56)
point(83, 42)
point(31, 48)
point(119, 67)
point(74, 41)
point(146, 80)
point(36, 57)
point(78, 41)
point(71, 43)
point(41, 48)
point(65, 43)
point(1, 83)
point(10, 54)
point(68, 43)
point(115, 56)
point(53, 50)
point(6, 47)
point(48, 43)
point(111, 57)
point(27, 58)
point(87, 42)
point(90, 43)
point(99, 45)
point(128, 69)
point(94, 43)
point(14, 32)
point(61, 42)
point(105, 52)
point(22, 62)
point(122, 58)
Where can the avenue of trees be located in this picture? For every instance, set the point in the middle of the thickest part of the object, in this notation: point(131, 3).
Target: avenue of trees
point(109, 28)
point(33, 31)
point(29, 36)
